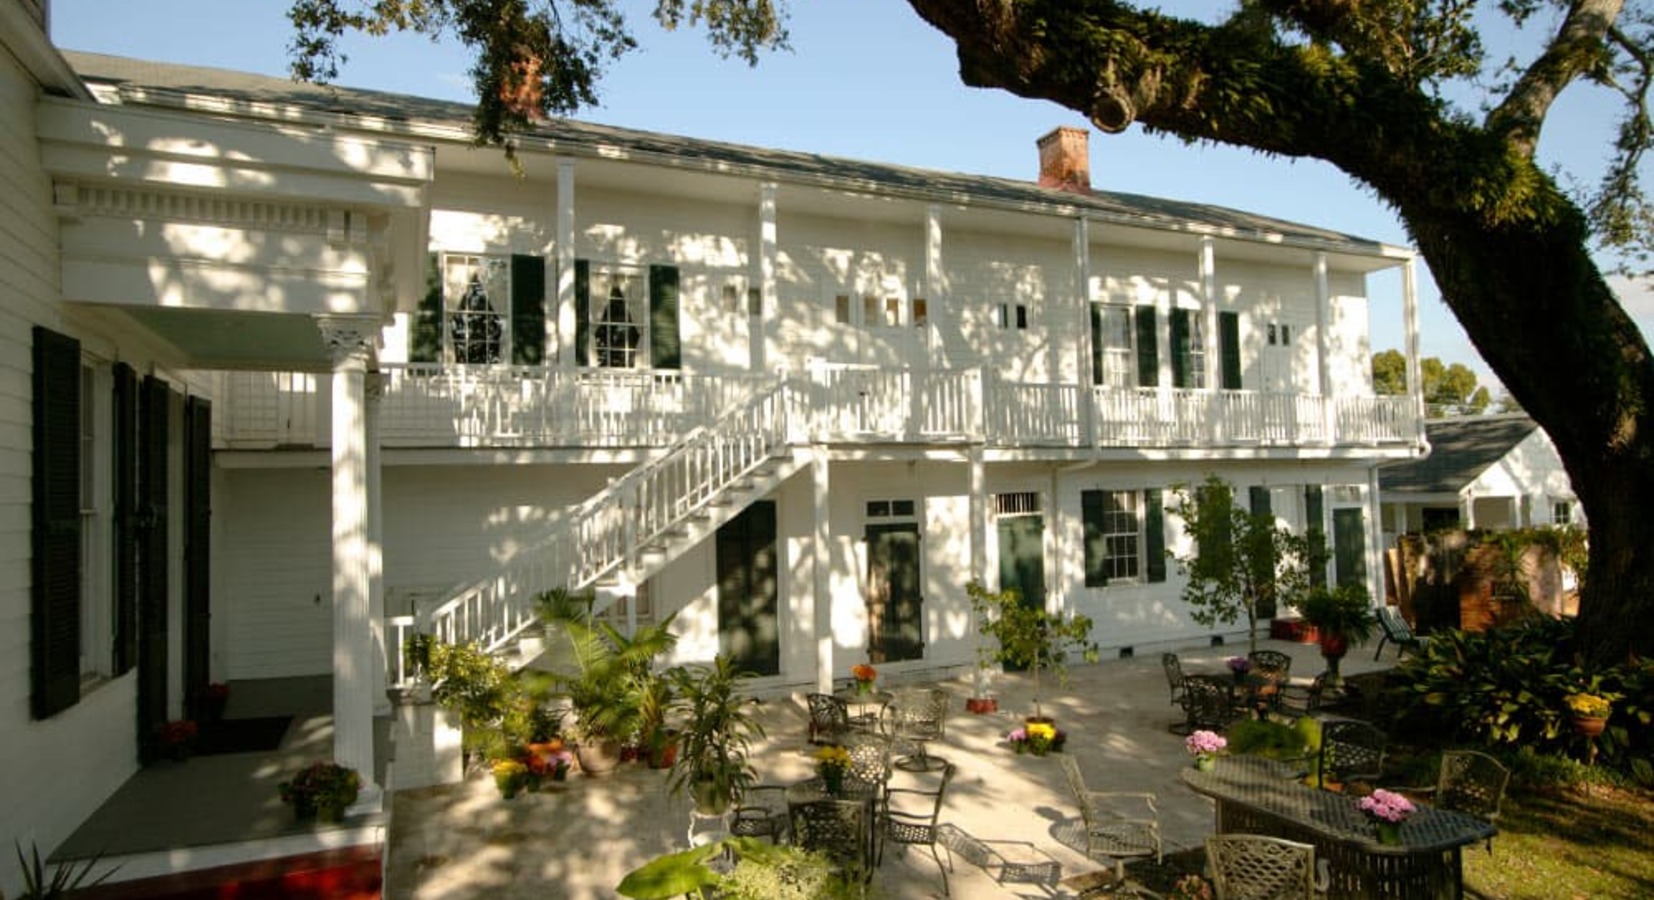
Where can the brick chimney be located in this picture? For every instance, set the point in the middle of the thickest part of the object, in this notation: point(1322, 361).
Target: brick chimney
point(1065, 159)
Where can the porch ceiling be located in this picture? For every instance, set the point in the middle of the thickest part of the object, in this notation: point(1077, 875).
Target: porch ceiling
point(225, 339)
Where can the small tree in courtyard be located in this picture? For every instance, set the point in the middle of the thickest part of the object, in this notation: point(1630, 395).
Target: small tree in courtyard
point(1243, 563)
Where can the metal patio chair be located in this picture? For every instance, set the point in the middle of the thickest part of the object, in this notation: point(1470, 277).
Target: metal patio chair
point(1208, 702)
point(909, 818)
point(1469, 782)
point(829, 718)
point(1174, 676)
point(1118, 824)
point(1351, 750)
point(917, 716)
point(1257, 867)
point(839, 829)
point(761, 812)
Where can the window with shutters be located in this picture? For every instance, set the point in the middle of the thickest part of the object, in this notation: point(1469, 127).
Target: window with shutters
point(476, 308)
point(1188, 334)
point(1124, 537)
point(620, 319)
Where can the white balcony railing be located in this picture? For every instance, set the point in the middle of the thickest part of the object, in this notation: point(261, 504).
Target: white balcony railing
point(431, 406)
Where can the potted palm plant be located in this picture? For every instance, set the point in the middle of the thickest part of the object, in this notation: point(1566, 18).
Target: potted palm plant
point(1341, 616)
point(718, 729)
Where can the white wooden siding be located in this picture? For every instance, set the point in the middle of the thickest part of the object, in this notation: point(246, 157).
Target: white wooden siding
point(92, 741)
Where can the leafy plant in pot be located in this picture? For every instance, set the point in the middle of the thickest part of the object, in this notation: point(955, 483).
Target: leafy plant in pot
point(1030, 637)
point(718, 729)
point(1342, 615)
point(607, 689)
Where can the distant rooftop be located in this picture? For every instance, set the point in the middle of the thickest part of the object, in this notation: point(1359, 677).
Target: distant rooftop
point(141, 82)
point(1460, 450)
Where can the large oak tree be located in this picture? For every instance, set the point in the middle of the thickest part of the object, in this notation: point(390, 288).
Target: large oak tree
point(1357, 83)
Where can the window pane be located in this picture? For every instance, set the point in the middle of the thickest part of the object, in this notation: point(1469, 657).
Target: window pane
point(892, 312)
point(732, 298)
point(869, 311)
point(1121, 534)
point(902, 508)
point(620, 319)
point(841, 309)
point(755, 303)
point(1119, 362)
point(920, 311)
point(478, 303)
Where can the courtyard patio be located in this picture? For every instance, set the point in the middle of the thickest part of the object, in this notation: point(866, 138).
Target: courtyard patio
point(1010, 820)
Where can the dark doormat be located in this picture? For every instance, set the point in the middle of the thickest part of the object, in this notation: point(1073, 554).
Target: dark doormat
point(241, 735)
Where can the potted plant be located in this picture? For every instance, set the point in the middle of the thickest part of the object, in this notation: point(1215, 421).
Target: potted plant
point(987, 656)
point(323, 789)
point(510, 776)
point(1031, 637)
point(1342, 616)
point(1589, 712)
point(718, 729)
point(176, 739)
point(607, 691)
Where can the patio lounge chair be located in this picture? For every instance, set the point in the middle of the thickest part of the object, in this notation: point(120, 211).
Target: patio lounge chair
point(1398, 632)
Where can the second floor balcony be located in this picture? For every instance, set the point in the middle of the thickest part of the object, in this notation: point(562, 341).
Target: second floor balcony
point(433, 406)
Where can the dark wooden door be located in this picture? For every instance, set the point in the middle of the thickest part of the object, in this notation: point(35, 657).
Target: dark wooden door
point(1022, 558)
point(895, 607)
point(1349, 546)
point(749, 626)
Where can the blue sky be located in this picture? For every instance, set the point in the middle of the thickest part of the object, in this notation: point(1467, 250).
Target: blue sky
point(866, 79)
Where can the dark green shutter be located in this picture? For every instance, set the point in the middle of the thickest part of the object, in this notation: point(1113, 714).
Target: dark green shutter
point(582, 312)
point(1258, 499)
point(54, 620)
point(126, 507)
point(1349, 540)
point(197, 527)
point(1182, 364)
point(426, 343)
point(1096, 553)
point(664, 349)
point(1315, 530)
point(1229, 350)
point(1154, 535)
point(1148, 349)
point(1096, 344)
point(154, 428)
point(749, 619)
point(528, 310)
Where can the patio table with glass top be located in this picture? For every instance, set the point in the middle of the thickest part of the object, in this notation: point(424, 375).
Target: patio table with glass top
point(1262, 796)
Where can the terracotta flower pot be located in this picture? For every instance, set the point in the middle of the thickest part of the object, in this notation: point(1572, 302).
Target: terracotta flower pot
point(1590, 726)
point(981, 705)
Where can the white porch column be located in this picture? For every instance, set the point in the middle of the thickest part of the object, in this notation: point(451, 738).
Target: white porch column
point(374, 390)
point(979, 547)
point(351, 340)
point(1375, 539)
point(1208, 266)
point(565, 263)
point(822, 561)
point(1082, 375)
point(1323, 347)
point(758, 330)
point(935, 283)
point(1410, 325)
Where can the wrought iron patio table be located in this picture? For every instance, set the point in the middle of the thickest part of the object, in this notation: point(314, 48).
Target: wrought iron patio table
point(1262, 796)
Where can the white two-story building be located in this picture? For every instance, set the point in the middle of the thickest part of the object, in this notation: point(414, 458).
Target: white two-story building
point(290, 372)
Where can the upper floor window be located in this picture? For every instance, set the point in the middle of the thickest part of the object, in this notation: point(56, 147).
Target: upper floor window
point(1114, 362)
point(879, 312)
point(477, 308)
point(1011, 315)
point(620, 319)
point(1188, 337)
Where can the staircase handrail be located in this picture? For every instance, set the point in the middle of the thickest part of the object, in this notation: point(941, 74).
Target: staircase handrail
point(605, 531)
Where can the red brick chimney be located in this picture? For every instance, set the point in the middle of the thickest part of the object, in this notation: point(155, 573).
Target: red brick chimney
point(1065, 160)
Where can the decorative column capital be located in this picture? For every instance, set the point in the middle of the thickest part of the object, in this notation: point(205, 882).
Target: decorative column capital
point(350, 337)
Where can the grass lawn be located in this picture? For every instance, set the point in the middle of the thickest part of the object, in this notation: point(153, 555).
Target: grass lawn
point(1595, 843)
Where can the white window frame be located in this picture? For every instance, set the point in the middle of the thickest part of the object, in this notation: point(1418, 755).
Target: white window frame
point(1123, 546)
point(1197, 346)
point(97, 608)
point(878, 310)
point(1119, 362)
point(492, 274)
point(635, 296)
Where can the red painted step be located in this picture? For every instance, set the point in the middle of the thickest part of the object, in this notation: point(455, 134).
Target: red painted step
point(347, 874)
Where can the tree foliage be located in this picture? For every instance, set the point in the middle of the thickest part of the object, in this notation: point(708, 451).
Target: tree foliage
point(1369, 87)
point(1449, 390)
point(1243, 563)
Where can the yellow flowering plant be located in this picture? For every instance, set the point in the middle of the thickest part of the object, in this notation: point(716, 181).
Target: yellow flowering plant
point(1588, 706)
point(832, 757)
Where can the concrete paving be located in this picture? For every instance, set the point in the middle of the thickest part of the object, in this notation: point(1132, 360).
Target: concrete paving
point(1011, 815)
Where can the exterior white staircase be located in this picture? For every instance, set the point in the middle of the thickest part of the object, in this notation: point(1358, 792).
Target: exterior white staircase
point(628, 531)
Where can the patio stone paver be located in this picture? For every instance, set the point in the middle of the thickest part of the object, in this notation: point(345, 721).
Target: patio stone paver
point(1010, 816)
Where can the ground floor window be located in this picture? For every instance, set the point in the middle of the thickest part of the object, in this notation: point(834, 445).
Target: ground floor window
point(1124, 536)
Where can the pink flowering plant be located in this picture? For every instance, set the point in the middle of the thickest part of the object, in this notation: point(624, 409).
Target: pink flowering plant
point(1240, 665)
point(1205, 744)
point(1191, 887)
point(1386, 806)
point(1038, 738)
